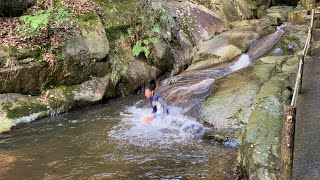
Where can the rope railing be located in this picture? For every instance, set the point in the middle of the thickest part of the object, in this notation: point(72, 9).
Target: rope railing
point(289, 119)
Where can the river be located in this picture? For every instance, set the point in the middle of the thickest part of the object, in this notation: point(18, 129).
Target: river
point(110, 141)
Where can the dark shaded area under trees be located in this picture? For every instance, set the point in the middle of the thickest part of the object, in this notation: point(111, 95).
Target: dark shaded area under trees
point(13, 8)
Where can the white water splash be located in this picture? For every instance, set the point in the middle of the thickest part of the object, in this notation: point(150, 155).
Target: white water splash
point(280, 28)
point(166, 130)
point(242, 62)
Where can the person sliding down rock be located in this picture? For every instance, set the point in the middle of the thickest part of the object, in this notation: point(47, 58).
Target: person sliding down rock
point(160, 107)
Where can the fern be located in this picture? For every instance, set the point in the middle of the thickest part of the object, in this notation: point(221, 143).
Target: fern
point(34, 25)
point(137, 48)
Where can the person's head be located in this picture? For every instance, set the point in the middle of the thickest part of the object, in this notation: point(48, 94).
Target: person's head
point(148, 91)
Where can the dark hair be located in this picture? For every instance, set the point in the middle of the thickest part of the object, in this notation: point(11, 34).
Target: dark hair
point(150, 87)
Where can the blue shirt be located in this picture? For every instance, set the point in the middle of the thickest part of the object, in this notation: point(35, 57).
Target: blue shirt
point(156, 99)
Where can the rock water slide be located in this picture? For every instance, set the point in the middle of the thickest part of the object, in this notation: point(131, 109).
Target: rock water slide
point(191, 87)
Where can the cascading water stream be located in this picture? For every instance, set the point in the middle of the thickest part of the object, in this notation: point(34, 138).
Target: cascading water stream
point(189, 88)
point(184, 92)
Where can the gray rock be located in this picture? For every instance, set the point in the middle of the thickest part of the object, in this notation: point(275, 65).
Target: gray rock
point(76, 50)
point(92, 91)
point(198, 22)
point(95, 39)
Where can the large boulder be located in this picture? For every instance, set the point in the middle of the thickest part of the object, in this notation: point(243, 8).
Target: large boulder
point(13, 8)
point(17, 108)
point(90, 44)
point(228, 10)
point(278, 13)
point(95, 37)
point(298, 15)
point(231, 105)
point(81, 56)
point(197, 22)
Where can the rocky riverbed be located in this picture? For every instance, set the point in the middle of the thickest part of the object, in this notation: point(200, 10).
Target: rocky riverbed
point(198, 61)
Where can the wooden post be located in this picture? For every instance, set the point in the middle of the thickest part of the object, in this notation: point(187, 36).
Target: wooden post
point(301, 76)
point(311, 31)
point(287, 143)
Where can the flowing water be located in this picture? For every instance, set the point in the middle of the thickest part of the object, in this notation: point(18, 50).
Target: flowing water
point(111, 142)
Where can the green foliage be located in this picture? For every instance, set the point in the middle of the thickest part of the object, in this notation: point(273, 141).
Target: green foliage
point(118, 66)
point(49, 19)
point(143, 35)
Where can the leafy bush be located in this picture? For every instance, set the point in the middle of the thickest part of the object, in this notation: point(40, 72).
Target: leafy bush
point(43, 20)
point(143, 34)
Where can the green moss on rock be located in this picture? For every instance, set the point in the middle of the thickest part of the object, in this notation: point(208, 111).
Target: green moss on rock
point(23, 107)
point(61, 98)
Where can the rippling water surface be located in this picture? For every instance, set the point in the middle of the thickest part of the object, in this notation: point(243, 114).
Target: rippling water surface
point(111, 142)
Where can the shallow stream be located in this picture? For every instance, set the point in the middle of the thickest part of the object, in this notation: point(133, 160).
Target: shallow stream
point(110, 141)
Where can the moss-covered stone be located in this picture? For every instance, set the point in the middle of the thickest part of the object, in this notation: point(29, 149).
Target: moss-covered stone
point(261, 140)
point(298, 15)
point(21, 107)
point(61, 98)
point(117, 14)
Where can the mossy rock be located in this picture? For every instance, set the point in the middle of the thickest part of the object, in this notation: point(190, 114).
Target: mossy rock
point(118, 14)
point(298, 15)
point(233, 100)
point(61, 98)
point(22, 107)
point(94, 35)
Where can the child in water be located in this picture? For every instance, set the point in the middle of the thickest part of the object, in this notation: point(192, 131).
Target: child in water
point(159, 106)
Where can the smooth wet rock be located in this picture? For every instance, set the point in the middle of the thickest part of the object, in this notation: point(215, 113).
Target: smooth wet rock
point(265, 44)
point(198, 22)
point(231, 105)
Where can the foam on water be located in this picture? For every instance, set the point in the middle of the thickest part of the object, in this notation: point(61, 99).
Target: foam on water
point(166, 130)
point(243, 61)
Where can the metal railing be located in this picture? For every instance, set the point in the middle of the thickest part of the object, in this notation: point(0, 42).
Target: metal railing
point(289, 119)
